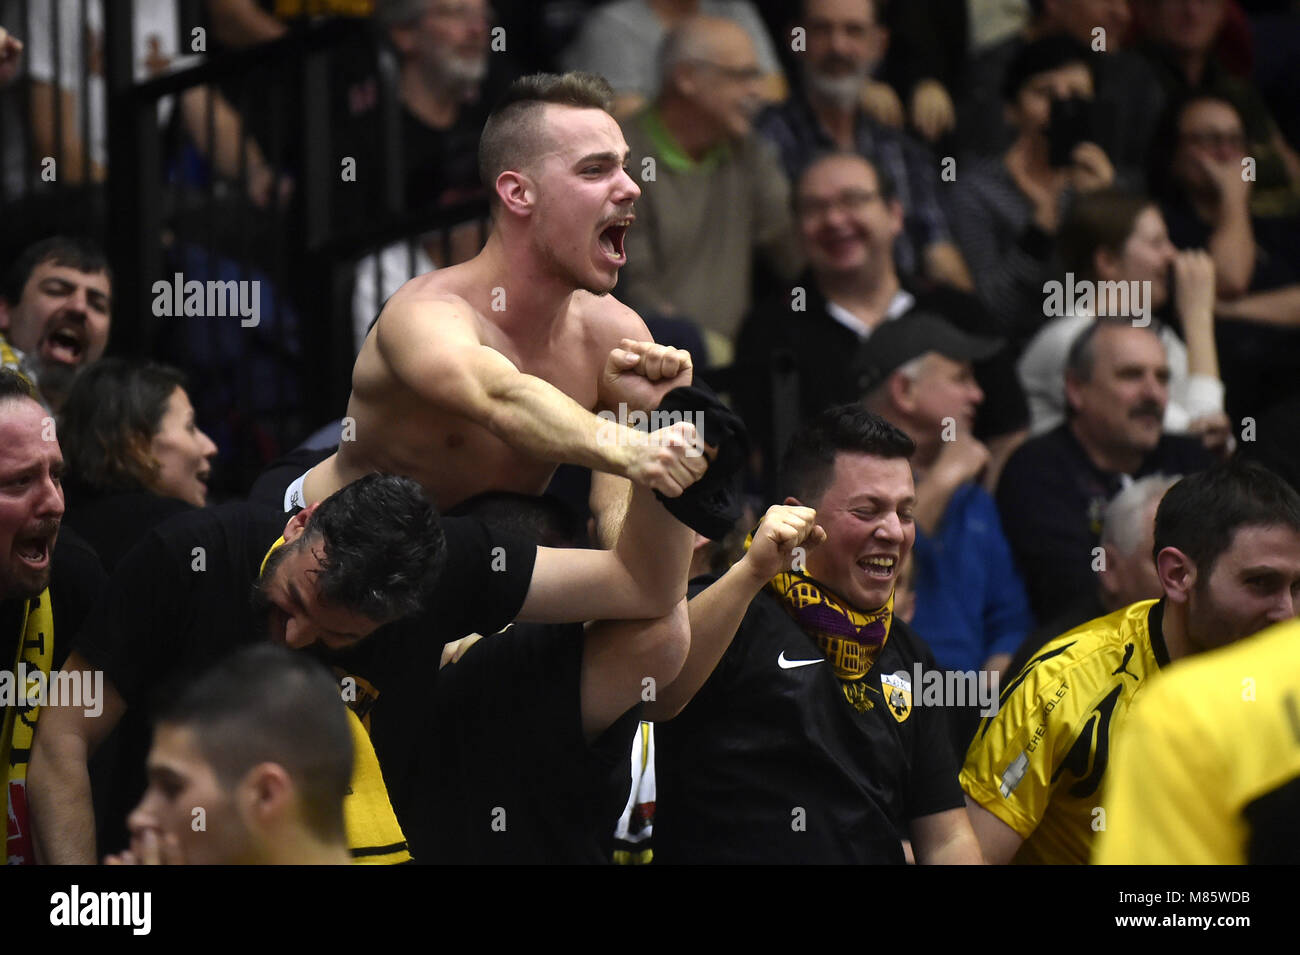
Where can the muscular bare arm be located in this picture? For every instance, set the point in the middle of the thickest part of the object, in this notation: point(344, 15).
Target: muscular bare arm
point(434, 349)
point(945, 838)
point(58, 780)
point(998, 842)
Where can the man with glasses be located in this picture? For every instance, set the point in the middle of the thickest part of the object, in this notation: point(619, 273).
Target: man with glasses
point(713, 193)
point(824, 112)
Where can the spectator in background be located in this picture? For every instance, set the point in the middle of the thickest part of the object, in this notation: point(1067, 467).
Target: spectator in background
point(11, 56)
point(826, 112)
point(1129, 96)
point(1054, 488)
point(970, 603)
point(1120, 237)
point(1125, 571)
point(1180, 39)
point(620, 41)
point(55, 313)
point(134, 454)
point(49, 580)
point(263, 743)
point(1006, 211)
point(717, 196)
point(849, 215)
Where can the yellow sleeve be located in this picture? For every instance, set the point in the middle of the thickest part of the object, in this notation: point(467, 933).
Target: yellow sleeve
point(1008, 769)
point(1163, 806)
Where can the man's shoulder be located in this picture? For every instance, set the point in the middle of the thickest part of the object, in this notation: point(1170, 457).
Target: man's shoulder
point(605, 319)
point(1055, 447)
point(1178, 452)
point(1097, 646)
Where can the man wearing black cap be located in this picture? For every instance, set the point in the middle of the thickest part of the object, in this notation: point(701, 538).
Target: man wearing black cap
point(970, 603)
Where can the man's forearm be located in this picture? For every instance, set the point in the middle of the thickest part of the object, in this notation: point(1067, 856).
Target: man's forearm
point(1232, 246)
point(63, 816)
point(715, 615)
point(534, 416)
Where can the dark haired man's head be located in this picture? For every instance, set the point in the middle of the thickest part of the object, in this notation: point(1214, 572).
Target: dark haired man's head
point(1189, 27)
point(1227, 549)
point(55, 308)
point(1116, 390)
point(853, 467)
point(848, 216)
point(262, 744)
point(31, 492)
point(1118, 236)
point(1199, 132)
point(445, 46)
point(1052, 68)
point(367, 555)
point(129, 425)
point(844, 44)
point(553, 160)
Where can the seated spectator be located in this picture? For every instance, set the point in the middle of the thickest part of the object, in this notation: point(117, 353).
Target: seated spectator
point(1205, 197)
point(1055, 486)
point(135, 457)
point(717, 196)
point(848, 216)
point(1179, 42)
point(1006, 211)
point(49, 580)
point(1125, 571)
point(55, 313)
point(1227, 554)
point(970, 603)
point(826, 112)
point(791, 734)
point(1120, 238)
point(261, 742)
point(1129, 95)
point(621, 41)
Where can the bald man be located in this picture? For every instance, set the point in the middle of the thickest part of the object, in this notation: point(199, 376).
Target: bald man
point(714, 193)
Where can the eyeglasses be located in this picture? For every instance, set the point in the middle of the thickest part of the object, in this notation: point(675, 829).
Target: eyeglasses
point(1215, 138)
point(850, 200)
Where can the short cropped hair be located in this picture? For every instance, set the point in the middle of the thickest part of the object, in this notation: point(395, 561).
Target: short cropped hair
point(384, 547)
point(513, 135)
point(809, 459)
point(1081, 359)
point(269, 704)
point(74, 252)
point(112, 412)
point(1202, 513)
point(1042, 56)
point(14, 385)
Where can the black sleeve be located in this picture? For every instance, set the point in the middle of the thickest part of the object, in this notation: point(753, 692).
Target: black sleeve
point(932, 783)
point(484, 580)
point(141, 609)
point(76, 581)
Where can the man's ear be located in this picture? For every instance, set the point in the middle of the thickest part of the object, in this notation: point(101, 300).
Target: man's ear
point(1108, 576)
point(515, 190)
point(901, 390)
point(1177, 573)
point(4, 315)
point(298, 523)
point(1073, 387)
point(878, 44)
point(1106, 263)
point(265, 797)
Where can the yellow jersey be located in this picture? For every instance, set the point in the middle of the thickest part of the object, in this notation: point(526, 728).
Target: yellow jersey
point(1208, 769)
point(1037, 764)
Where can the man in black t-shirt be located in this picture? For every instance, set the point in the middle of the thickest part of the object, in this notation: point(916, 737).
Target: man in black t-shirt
point(796, 731)
point(179, 603)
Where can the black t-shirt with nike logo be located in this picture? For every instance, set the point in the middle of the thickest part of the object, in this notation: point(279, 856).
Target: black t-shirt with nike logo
point(771, 763)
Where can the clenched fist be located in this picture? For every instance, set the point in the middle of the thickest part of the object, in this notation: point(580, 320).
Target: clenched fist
point(639, 374)
point(783, 528)
point(668, 460)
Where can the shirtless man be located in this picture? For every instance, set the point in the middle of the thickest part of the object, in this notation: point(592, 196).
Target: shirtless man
point(485, 376)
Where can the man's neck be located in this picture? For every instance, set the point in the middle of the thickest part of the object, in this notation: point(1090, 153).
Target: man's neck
point(693, 135)
point(305, 850)
point(432, 105)
point(866, 293)
point(1173, 627)
point(840, 122)
point(1107, 458)
point(531, 299)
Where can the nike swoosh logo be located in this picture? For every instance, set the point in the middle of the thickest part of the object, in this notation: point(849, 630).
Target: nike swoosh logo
point(785, 664)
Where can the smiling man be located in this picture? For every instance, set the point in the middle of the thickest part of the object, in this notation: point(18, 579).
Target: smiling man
point(55, 313)
point(1227, 552)
point(372, 557)
point(793, 733)
point(486, 375)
